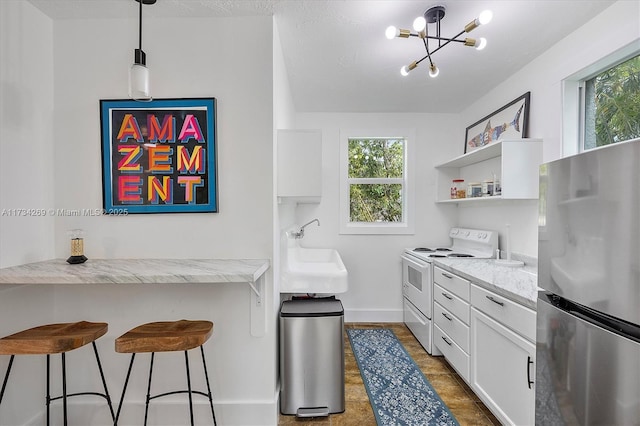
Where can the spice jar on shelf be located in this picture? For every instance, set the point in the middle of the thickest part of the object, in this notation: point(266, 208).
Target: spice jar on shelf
point(474, 189)
point(457, 189)
point(487, 188)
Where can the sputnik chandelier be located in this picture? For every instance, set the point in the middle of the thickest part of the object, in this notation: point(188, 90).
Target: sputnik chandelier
point(434, 15)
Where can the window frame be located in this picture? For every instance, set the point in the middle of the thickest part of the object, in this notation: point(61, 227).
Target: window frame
point(407, 182)
point(574, 101)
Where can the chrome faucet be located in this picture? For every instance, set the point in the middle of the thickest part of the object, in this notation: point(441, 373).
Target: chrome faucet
point(300, 234)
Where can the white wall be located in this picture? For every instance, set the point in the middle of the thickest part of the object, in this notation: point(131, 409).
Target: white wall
point(187, 58)
point(26, 182)
point(58, 117)
point(614, 28)
point(26, 134)
point(373, 261)
point(284, 118)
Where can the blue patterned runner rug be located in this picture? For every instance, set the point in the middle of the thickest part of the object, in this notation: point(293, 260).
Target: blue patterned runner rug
point(398, 391)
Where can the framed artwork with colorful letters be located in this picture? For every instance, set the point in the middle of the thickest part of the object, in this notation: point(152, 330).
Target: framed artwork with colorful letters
point(159, 156)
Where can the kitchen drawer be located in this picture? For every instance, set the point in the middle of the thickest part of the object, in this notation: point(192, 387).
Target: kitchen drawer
point(451, 303)
point(454, 354)
point(452, 326)
point(520, 319)
point(453, 283)
point(419, 325)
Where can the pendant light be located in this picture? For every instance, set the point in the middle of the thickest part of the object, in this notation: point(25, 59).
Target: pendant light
point(139, 89)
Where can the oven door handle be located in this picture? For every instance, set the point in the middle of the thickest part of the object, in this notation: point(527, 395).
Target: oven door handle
point(415, 262)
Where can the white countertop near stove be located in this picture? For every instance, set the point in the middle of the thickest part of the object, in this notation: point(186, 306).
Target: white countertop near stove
point(519, 284)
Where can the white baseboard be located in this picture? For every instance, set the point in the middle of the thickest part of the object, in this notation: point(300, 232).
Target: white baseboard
point(169, 413)
point(370, 315)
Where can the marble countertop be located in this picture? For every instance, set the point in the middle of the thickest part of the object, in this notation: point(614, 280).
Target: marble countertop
point(519, 284)
point(132, 271)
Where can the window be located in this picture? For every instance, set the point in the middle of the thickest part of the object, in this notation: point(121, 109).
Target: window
point(375, 182)
point(611, 105)
point(595, 95)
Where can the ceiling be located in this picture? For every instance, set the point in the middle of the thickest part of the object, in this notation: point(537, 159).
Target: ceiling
point(339, 60)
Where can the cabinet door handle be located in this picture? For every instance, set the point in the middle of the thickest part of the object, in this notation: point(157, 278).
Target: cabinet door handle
point(529, 362)
point(447, 275)
point(446, 341)
point(495, 301)
point(444, 314)
point(447, 296)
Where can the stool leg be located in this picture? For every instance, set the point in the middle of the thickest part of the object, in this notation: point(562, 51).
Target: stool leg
point(124, 389)
point(64, 388)
point(6, 377)
point(206, 376)
point(146, 407)
point(186, 360)
point(48, 398)
point(104, 382)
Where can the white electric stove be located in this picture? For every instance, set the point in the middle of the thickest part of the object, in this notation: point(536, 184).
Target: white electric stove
point(417, 276)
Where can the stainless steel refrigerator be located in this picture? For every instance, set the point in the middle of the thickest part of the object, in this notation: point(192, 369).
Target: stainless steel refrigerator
point(588, 336)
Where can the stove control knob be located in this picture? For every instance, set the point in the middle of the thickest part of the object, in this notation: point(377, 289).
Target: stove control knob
point(482, 235)
point(465, 233)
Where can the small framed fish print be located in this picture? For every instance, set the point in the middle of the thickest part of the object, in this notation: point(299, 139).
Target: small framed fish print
point(509, 122)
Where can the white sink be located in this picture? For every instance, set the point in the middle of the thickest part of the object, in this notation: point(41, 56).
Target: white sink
point(313, 270)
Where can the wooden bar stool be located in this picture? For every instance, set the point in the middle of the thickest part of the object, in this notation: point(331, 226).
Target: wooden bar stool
point(168, 336)
point(53, 339)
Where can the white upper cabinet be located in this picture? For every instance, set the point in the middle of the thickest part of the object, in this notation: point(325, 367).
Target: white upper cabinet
point(299, 166)
point(514, 162)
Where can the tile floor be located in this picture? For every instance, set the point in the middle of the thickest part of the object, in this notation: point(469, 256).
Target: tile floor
point(463, 403)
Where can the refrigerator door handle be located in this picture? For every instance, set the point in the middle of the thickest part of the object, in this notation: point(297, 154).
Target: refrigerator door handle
point(529, 362)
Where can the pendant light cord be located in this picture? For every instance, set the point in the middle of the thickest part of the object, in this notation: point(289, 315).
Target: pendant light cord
point(140, 26)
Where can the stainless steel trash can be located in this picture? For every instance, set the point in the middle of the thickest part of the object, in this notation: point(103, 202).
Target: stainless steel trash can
point(311, 357)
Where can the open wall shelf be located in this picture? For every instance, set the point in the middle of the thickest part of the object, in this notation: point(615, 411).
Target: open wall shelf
point(515, 162)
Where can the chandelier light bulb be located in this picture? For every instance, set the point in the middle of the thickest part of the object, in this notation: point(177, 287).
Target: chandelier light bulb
point(481, 44)
point(419, 23)
point(406, 69)
point(391, 32)
point(433, 71)
point(485, 17)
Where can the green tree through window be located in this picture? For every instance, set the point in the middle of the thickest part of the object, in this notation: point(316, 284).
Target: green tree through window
point(376, 179)
point(612, 105)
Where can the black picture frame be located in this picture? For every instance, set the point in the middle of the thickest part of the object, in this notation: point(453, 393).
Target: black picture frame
point(159, 156)
point(514, 119)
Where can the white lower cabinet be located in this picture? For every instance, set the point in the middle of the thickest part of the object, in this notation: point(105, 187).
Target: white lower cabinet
point(502, 370)
point(451, 319)
point(489, 340)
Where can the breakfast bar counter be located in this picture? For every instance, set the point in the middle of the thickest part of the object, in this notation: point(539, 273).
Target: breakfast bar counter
point(149, 271)
point(131, 271)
